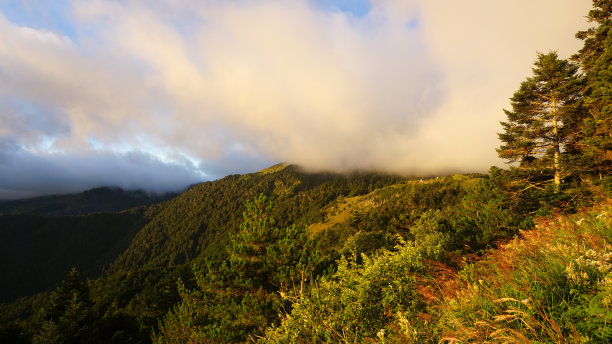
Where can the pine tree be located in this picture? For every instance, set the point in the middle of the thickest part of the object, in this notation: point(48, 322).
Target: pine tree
point(247, 249)
point(239, 298)
point(595, 58)
point(267, 256)
point(67, 314)
point(537, 130)
point(48, 334)
point(595, 37)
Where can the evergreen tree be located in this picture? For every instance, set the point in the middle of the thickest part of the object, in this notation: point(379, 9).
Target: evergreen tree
point(537, 130)
point(267, 256)
point(67, 317)
point(595, 37)
point(48, 334)
point(241, 297)
point(247, 249)
point(595, 58)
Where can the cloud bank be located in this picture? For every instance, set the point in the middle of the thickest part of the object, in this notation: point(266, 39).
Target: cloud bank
point(25, 174)
point(183, 91)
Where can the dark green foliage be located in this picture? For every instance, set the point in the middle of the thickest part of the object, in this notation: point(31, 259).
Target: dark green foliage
point(393, 212)
point(13, 333)
point(118, 326)
point(199, 221)
point(485, 214)
point(48, 247)
point(595, 146)
point(266, 256)
point(146, 294)
point(366, 243)
point(595, 37)
point(248, 249)
point(244, 295)
point(49, 334)
point(67, 317)
point(218, 310)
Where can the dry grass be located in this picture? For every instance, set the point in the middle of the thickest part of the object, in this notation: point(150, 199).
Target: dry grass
point(521, 291)
point(335, 214)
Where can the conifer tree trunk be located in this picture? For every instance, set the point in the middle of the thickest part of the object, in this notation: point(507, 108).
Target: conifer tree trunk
point(556, 143)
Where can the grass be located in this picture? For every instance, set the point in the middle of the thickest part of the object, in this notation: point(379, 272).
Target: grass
point(335, 214)
point(551, 285)
point(274, 168)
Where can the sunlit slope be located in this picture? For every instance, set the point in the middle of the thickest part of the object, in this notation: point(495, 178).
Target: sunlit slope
point(550, 284)
point(398, 198)
point(197, 222)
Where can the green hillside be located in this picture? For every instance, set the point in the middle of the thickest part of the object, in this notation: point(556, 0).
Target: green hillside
point(550, 284)
point(198, 222)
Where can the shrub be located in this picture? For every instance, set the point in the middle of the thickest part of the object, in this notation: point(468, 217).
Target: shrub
point(359, 302)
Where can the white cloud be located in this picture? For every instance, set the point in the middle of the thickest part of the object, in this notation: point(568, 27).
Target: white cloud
point(413, 86)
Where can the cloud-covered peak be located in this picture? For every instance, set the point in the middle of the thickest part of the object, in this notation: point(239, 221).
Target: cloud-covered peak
point(196, 89)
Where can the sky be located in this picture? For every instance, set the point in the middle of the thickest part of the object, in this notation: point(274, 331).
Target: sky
point(161, 94)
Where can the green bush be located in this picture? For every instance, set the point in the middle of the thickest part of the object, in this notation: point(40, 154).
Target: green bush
point(359, 302)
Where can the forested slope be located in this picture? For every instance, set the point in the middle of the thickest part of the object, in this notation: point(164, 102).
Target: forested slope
point(37, 252)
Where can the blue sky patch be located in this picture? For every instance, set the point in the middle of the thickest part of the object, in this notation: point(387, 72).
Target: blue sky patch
point(413, 24)
point(50, 15)
point(357, 8)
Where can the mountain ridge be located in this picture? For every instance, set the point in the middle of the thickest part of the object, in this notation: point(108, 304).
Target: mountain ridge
point(101, 199)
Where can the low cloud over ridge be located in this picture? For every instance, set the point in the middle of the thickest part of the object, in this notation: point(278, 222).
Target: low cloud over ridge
point(27, 174)
point(202, 89)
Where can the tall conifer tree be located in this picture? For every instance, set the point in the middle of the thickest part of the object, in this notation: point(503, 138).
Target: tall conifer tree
point(536, 132)
point(67, 316)
point(595, 58)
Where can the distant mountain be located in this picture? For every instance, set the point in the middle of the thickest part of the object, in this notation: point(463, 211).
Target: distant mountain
point(102, 199)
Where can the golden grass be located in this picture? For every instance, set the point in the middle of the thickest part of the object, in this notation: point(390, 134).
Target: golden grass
point(486, 308)
point(335, 214)
point(274, 168)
